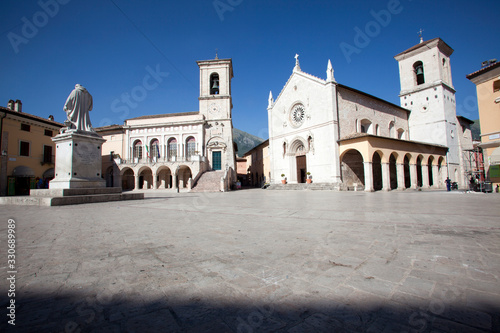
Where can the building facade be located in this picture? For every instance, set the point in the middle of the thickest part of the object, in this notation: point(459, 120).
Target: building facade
point(257, 165)
point(427, 90)
point(342, 136)
point(27, 151)
point(487, 81)
point(175, 150)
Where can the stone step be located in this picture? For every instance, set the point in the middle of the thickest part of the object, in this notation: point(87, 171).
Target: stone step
point(209, 182)
point(74, 191)
point(69, 200)
point(305, 186)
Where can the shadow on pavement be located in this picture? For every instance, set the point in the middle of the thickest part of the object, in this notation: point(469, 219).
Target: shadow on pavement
point(90, 313)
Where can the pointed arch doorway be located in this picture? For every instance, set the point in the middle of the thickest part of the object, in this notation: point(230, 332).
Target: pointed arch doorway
point(301, 168)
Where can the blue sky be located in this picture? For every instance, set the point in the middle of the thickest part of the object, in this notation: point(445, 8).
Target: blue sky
point(117, 49)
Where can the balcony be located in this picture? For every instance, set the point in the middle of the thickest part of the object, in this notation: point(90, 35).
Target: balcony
point(161, 160)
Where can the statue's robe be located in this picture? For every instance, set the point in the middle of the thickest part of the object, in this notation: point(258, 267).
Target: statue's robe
point(77, 108)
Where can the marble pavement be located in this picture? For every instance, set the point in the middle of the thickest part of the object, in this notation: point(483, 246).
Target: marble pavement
point(258, 261)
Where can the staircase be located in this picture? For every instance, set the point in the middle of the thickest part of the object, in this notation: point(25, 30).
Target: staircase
point(209, 182)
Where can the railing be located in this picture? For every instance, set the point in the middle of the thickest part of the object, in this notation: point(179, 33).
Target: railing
point(154, 160)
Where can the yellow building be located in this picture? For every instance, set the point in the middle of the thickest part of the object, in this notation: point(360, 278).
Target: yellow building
point(487, 81)
point(27, 150)
point(258, 165)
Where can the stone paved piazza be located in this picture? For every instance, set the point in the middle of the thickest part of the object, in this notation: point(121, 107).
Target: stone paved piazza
point(258, 261)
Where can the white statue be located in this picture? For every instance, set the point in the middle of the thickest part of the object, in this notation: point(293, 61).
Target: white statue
point(77, 107)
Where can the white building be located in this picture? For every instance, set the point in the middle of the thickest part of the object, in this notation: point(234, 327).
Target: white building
point(427, 90)
point(349, 139)
point(175, 150)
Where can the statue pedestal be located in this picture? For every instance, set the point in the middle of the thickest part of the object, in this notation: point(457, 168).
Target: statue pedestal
point(78, 160)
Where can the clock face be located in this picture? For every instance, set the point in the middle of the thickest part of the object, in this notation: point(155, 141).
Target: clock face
point(213, 108)
point(297, 115)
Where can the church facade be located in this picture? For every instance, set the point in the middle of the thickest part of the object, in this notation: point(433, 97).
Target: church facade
point(338, 135)
point(176, 150)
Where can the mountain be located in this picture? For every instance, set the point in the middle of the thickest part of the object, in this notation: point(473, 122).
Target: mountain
point(245, 141)
point(476, 130)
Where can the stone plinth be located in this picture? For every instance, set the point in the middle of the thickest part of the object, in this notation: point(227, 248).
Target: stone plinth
point(78, 160)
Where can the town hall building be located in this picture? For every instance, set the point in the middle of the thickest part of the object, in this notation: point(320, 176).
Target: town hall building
point(178, 150)
point(346, 138)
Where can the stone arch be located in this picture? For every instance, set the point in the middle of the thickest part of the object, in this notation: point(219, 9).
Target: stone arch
point(419, 161)
point(377, 170)
point(406, 170)
point(352, 168)
point(154, 148)
point(183, 175)
point(366, 126)
point(172, 148)
point(298, 146)
point(109, 176)
point(418, 69)
point(145, 177)
point(430, 163)
point(392, 130)
point(190, 147)
point(164, 177)
point(393, 171)
point(128, 179)
point(137, 150)
point(214, 84)
point(401, 134)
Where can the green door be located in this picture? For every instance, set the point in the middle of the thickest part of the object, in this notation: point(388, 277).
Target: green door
point(216, 160)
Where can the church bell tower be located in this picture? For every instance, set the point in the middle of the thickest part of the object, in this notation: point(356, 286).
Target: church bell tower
point(427, 90)
point(216, 105)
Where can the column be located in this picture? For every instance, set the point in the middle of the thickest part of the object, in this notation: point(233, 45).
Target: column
point(136, 178)
point(425, 176)
point(413, 176)
point(368, 176)
point(435, 176)
point(386, 177)
point(174, 181)
point(401, 176)
point(155, 181)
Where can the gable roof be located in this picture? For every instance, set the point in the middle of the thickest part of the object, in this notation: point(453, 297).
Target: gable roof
point(443, 47)
point(483, 70)
point(30, 117)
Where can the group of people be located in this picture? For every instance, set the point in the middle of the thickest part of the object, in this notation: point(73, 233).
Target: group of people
point(42, 183)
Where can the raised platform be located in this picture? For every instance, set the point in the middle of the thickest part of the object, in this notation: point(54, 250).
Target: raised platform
point(73, 196)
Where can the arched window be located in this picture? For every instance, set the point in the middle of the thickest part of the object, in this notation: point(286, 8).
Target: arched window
point(392, 130)
point(137, 149)
point(401, 133)
point(214, 84)
point(190, 147)
point(418, 68)
point(172, 149)
point(366, 126)
point(154, 149)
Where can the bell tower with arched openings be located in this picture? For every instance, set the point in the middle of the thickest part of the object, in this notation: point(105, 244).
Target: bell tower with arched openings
point(216, 106)
point(427, 90)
